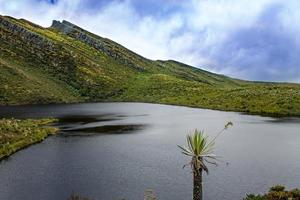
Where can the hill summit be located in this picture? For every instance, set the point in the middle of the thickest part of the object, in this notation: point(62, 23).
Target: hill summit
point(65, 63)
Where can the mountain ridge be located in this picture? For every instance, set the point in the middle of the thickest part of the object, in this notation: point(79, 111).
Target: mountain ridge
point(65, 63)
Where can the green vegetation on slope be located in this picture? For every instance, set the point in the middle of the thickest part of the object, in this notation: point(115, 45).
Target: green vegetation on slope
point(18, 134)
point(65, 63)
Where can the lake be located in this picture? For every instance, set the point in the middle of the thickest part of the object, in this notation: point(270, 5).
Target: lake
point(115, 151)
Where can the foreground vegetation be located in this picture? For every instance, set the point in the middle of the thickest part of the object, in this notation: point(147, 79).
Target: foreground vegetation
point(17, 134)
point(149, 195)
point(77, 197)
point(65, 63)
point(201, 151)
point(277, 192)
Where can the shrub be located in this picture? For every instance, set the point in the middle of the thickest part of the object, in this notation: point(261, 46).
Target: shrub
point(254, 197)
point(276, 192)
point(77, 197)
point(295, 193)
point(277, 188)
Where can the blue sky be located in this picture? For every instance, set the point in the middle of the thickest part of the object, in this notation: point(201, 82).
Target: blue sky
point(256, 40)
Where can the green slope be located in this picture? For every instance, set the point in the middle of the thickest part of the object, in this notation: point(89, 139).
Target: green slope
point(64, 63)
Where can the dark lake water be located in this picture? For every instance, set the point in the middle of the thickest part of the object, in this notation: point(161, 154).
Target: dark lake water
point(114, 151)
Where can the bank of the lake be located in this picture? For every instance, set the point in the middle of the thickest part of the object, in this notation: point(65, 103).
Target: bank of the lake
point(17, 134)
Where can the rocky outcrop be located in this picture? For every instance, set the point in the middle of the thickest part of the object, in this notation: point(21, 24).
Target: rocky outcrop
point(104, 45)
point(10, 30)
point(16, 38)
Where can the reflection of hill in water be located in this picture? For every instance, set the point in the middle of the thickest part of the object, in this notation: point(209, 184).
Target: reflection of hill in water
point(106, 129)
point(81, 125)
point(287, 120)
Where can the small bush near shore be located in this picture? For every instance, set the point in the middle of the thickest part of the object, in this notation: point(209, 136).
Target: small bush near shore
point(17, 134)
point(276, 192)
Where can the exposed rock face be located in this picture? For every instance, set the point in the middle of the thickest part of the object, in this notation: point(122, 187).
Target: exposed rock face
point(9, 30)
point(12, 32)
point(104, 45)
point(17, 38)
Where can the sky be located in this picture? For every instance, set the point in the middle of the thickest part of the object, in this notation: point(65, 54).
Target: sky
point(247, 39)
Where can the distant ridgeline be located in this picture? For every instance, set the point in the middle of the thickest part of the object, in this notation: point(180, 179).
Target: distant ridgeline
point(106, 46)
point(65, 63)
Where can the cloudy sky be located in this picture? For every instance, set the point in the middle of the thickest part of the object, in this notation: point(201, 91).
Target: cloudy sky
point(249, 39)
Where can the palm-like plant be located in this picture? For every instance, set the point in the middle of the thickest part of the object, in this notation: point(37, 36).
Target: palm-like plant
point(201, 149)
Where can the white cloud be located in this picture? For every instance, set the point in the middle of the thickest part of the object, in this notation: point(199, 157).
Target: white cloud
point(213, 34)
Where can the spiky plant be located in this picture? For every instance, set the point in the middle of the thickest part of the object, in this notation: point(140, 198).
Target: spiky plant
point(201, 149)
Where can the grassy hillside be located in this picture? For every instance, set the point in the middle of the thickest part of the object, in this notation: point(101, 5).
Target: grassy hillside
point(64, 63)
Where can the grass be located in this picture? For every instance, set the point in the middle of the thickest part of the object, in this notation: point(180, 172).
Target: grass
point(18, 134)
point(46, 65)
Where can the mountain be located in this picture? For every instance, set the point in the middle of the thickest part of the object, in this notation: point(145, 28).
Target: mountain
point(65, 63)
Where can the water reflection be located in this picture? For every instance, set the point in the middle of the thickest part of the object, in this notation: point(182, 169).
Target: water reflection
point(80, 125)
point(84, 119)
point(287, 120)
point(134, 147)
point(105, 129)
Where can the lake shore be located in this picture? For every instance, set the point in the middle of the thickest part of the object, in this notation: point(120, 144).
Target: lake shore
point(18, 134)
point(276, 114)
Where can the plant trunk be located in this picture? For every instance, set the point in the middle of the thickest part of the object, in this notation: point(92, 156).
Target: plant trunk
point(197, 193)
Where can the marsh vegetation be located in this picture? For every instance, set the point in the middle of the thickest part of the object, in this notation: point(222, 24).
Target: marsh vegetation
point(17, 134)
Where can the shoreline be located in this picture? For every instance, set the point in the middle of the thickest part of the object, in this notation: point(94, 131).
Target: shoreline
point(243, 112)
point(16, 135)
